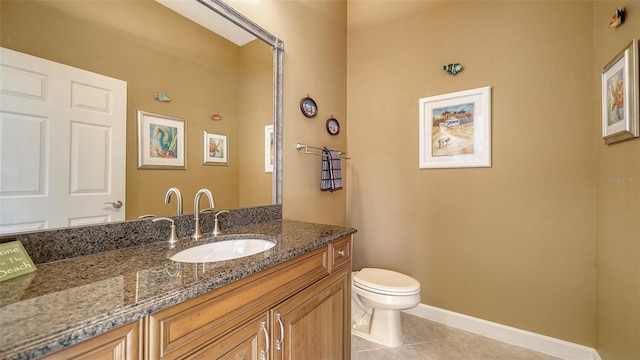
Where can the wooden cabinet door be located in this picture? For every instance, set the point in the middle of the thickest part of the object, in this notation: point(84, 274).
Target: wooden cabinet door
point(122, 343)
point(247, 342)
point(313, 324)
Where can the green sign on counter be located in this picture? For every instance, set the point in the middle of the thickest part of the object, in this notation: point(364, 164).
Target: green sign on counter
point(14, 261)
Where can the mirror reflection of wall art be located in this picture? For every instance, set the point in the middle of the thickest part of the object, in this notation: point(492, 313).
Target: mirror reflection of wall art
point(455, 129)
point(620, 118)
point(269, 148)
point(216, 149)
point(161, 142)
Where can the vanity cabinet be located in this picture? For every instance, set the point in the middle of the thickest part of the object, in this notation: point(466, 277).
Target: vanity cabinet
point(285, 312)
point(298, 309)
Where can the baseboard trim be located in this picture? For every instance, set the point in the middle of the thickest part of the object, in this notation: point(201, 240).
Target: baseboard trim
point(526, 339)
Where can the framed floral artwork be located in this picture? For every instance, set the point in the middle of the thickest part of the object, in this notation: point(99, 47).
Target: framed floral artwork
point(215, 149)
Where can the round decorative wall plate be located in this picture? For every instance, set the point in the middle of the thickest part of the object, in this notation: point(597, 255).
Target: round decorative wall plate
point(308, 107)
point(333, 126)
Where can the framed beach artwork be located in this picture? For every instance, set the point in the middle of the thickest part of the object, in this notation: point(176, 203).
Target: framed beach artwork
point(620, 113)
point(269, 152)
point(216, 149)
point(455, 129)
point(161, 142)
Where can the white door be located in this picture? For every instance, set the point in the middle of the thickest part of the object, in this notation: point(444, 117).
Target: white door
point(62, 144)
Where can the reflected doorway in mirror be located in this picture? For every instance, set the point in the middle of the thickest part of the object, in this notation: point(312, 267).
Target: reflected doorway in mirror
point(62, 140)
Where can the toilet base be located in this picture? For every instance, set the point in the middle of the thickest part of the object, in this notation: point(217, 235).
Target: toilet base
point(385, 328)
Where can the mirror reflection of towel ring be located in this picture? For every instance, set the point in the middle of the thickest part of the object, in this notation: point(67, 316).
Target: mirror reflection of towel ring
point(333, 126)
point(308, 107)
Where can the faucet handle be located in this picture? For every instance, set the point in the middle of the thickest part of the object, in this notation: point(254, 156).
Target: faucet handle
point(173, 238)
point(216, 225)
point(146, 216)
point(206, 210)
point(221, 212)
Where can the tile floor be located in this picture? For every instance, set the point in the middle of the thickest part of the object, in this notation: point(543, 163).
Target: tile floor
point(424, 339)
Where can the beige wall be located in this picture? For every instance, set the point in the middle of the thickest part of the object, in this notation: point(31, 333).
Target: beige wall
point(514, 243)
point(145, 44)
point(315, 45)
point(618, 206)
point(256, 111)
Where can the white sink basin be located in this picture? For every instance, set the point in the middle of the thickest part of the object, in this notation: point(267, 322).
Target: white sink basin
point(222, 250)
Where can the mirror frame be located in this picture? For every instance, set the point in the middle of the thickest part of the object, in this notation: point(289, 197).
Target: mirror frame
point(277, 45)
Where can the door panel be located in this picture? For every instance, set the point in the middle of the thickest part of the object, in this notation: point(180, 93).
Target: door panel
point(62, 152)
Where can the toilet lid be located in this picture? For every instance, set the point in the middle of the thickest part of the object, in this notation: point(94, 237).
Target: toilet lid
point(386, 281)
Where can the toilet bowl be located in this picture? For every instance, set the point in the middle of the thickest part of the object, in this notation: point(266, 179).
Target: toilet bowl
point(377, 297)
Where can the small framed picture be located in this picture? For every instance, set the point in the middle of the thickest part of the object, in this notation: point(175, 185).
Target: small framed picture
point(161, 142)
point(620, 118)
point(215, 149)
point(333, 126)
point(308, 107)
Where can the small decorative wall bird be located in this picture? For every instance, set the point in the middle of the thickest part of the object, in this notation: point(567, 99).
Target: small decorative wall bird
point(216, 117)
point(452, 68)
point(617, 19)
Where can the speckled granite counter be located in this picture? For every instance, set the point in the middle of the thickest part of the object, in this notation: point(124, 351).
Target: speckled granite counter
point(65, 302)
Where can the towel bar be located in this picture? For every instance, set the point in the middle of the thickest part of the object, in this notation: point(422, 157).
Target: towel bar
point(307, 152)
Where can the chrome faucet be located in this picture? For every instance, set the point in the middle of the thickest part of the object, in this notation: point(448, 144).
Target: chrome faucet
point(216, 226)
point(167, 198)
point(196, 212)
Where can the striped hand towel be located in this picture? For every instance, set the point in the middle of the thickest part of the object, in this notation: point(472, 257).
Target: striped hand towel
point(331, 170)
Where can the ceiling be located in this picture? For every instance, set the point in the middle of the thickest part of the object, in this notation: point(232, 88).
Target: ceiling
point(209, 19)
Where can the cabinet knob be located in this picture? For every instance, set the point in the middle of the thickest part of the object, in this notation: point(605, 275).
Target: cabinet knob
point(341, 252)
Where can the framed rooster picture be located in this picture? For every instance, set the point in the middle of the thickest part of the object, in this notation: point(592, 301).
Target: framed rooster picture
point(620, 96)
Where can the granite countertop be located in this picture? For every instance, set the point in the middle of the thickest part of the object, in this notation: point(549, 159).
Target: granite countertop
point(65, 302)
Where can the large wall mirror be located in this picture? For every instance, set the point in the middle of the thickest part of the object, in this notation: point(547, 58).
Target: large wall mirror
point(154, 49)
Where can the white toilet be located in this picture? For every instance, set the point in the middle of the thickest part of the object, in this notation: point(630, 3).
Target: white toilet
point(377, 296)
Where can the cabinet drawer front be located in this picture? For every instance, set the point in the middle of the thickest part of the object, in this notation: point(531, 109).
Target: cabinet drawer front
point(175, 331)
point(340, 253)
